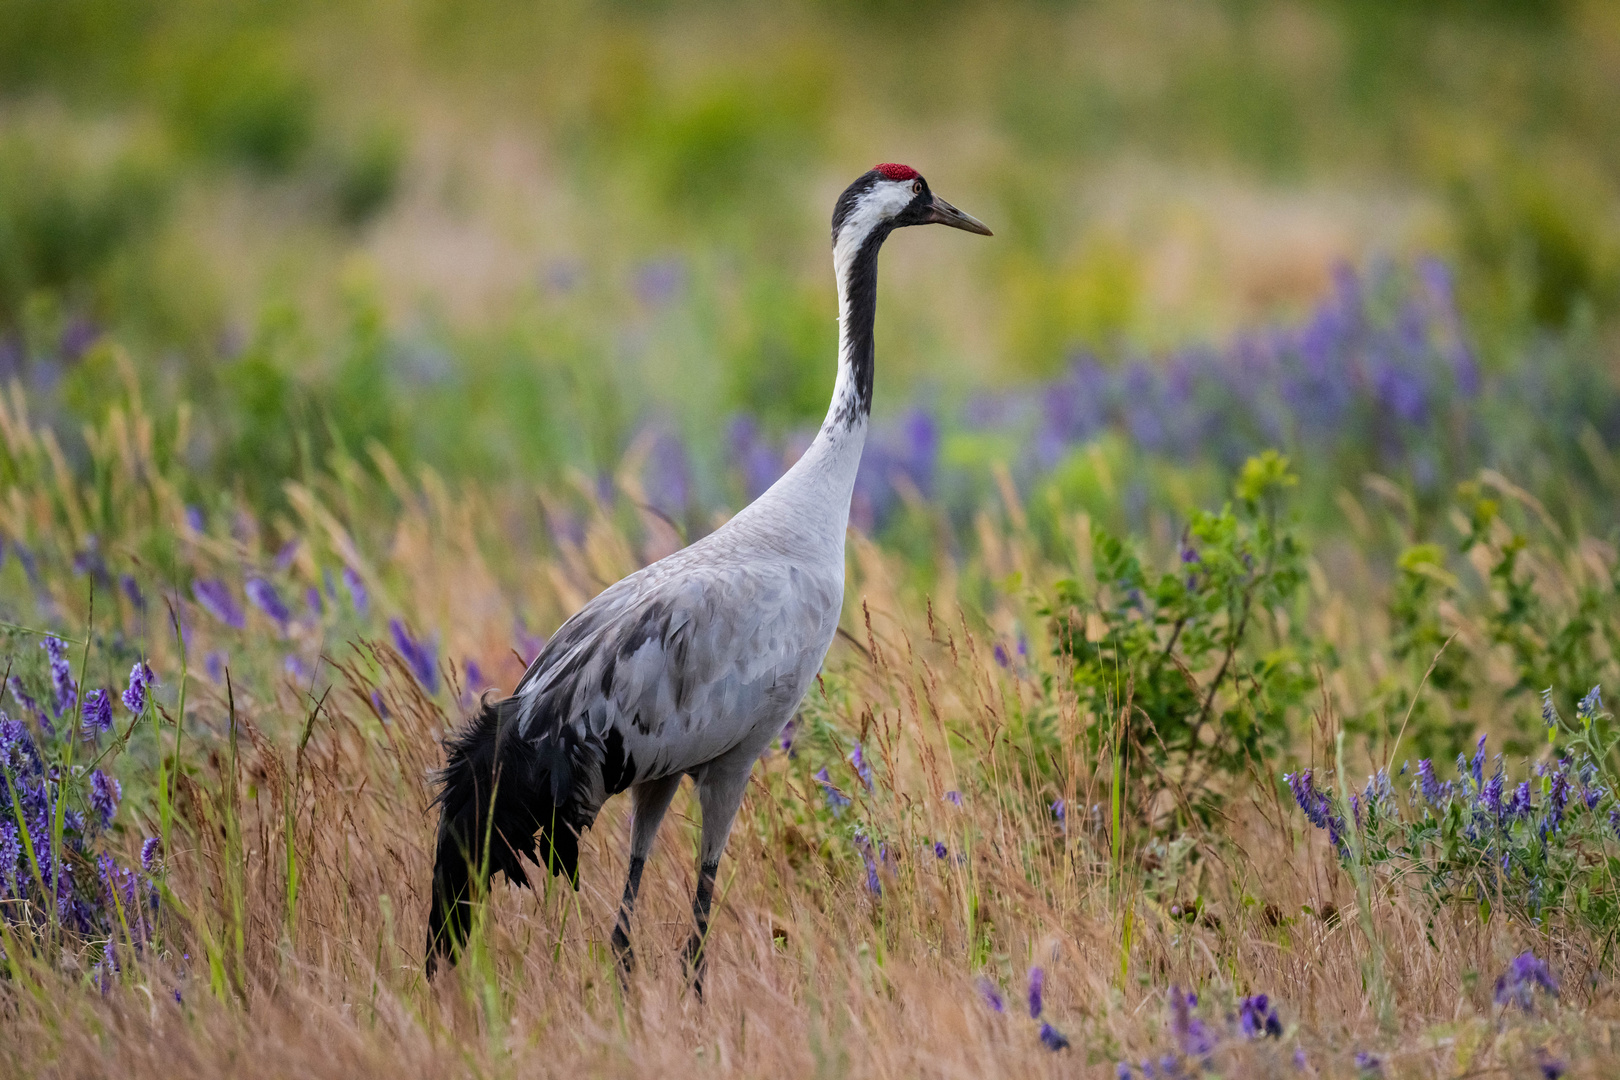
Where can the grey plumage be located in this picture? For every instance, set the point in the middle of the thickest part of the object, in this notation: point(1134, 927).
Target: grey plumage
point(688, 667)
point(698, 656)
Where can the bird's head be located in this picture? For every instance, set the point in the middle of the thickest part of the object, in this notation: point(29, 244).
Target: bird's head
point(887, 198)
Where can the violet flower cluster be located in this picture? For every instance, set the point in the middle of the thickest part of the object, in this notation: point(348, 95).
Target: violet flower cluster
point(836, 800)
point(1035, 995)
point(420, 655)
point(1195, 1041)
point(1480, 837)
point(53, 822)
point(1517, 985)
point(1364, 381)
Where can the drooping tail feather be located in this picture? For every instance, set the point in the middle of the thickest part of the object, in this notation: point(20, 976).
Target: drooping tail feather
point(509, 792)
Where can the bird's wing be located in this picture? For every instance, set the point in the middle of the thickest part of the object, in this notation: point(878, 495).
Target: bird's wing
point(679, 662)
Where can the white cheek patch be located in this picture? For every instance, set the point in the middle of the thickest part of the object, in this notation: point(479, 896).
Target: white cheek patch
point(885, 199)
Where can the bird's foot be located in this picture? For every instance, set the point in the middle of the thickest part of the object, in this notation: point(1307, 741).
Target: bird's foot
point(623, 955)
point(692, 964)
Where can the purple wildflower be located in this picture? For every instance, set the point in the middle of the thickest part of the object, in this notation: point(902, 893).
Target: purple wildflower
point(105, 791)
point(216, 664)
point(1490, 796)
point(1519, 805)
point(1001, 655)
point(17, 750)
point(863, 768)
point(378, 704)
point(97, 713)
point(954, 798)
point(787, 738)
point(1257, 1018)
point(1557, 799)
point(1549, 712)
point(297, 667)
point(873, 884)
point(991, 995)
point(1037, 984)
point(528, 645)
point(214, 596)
point(357, 591)
point(312, 600)
point(1309, 799)
point(1518, 984)
point(1478, 764)
point(133, 591)
point(418, 654)
point(1193, 1038)
point(151, 852)
point(11, 853)
point(1052, 1038)
point(26, 701)
point(836, 800)
point(1318, 806)
point(940, 850)
point(1591, 704)
point(262, 595)
point(62, 684)
point(140, 679)
point(1432, 788)
point(286, 554)
point(89, 561)
point(1060, 810)
point(1369, 1063)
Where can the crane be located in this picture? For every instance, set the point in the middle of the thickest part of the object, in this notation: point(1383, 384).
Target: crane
point(690, 666)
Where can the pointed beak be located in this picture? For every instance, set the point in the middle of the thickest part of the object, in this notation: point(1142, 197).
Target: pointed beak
point(943, 213)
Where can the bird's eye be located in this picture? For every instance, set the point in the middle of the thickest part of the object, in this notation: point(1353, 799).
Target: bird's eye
point(916, 187)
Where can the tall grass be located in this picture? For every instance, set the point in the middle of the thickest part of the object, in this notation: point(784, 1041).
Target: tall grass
point(855, 933)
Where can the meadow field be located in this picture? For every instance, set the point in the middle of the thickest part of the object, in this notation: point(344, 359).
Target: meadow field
point(1234, 569)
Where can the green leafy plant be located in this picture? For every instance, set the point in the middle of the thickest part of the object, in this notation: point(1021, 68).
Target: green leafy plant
point(1204, 655)
point(1527, 595)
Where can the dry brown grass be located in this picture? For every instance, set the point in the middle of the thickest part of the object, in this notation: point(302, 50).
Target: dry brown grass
point(810, 974)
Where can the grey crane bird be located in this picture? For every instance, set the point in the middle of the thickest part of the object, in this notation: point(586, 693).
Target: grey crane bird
point(688, 667)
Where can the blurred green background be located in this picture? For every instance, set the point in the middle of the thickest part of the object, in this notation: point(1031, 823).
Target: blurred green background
point(505, 238)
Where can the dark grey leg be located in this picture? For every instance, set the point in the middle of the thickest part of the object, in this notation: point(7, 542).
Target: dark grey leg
point(649, 800)
point(622, 952)
point(700, 929)
point(720, 793)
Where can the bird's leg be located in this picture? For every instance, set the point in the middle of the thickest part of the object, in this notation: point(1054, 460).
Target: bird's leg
point(622, 952)
point(649, 801)
point(700, 931)
point(719, 794)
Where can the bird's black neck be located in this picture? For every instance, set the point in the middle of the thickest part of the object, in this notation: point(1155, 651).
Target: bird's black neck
point(858, 311)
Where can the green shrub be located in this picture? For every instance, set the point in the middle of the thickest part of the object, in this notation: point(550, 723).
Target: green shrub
point(368, 174)
point(65, 217)
point(1524, 598)
point(243, 104)
point(1204, 660)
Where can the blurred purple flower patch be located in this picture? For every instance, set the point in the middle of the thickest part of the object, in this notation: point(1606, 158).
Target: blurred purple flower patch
point(214, 597)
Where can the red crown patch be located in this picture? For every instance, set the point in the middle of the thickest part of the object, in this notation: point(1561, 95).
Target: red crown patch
point(896, 172)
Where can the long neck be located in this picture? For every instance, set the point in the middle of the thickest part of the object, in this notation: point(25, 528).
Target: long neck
point(855, 263)
point(817, 490)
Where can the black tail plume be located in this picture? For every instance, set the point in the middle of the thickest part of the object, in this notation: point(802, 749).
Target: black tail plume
point(510, 792)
